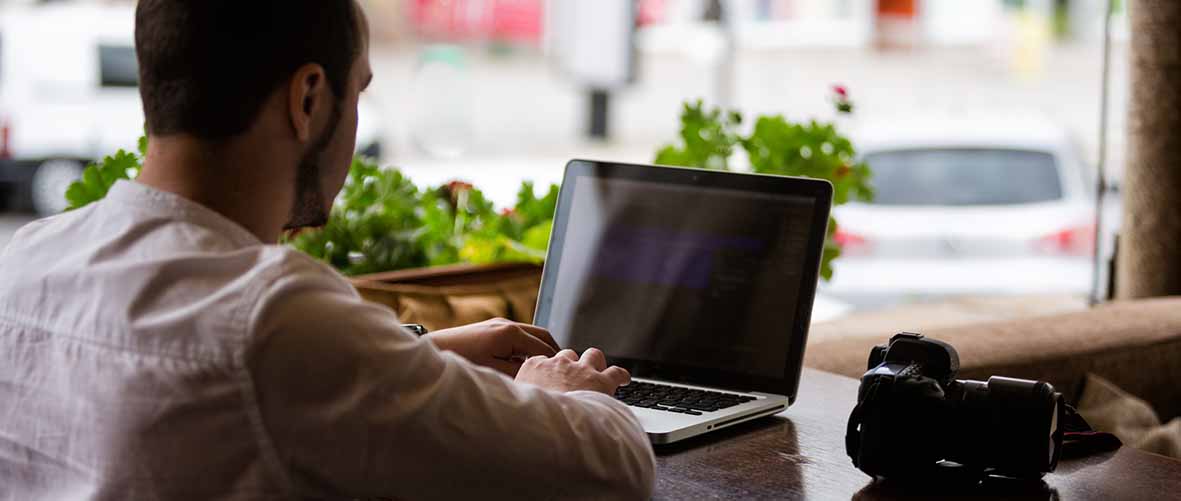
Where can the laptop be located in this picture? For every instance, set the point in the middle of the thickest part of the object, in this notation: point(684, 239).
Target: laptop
point(698, 282)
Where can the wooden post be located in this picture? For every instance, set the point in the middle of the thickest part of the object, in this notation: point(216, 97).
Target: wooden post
point(1150, 247)
point(600, 114)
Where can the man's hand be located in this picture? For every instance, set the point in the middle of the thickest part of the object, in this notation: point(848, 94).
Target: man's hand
point(500, 344)
point(566, 372)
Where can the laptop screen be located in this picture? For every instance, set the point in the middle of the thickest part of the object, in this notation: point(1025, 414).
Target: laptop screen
point(682, 276)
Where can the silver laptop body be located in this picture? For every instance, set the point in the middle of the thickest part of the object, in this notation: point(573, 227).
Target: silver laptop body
point(665, 427)
point(700, 283)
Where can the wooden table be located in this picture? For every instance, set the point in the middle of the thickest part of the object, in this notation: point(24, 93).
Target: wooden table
point(800, 454)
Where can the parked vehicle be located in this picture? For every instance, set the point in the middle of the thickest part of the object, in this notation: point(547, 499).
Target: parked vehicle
point(68, 95)
point(968, 205)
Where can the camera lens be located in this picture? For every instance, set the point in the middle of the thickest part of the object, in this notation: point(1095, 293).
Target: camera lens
point(1016, 424)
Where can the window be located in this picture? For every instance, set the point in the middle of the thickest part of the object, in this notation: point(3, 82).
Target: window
point(958, 177)
point(118, 66)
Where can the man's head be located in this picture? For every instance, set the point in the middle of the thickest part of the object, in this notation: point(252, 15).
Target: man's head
point(286, 73)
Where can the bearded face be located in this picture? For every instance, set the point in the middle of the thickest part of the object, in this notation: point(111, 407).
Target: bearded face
point(311, 205)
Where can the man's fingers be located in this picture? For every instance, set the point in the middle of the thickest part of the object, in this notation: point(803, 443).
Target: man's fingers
point(618, 376)
point(595, 358)
point(526, 345)
point(568, 354)
point(540, 333)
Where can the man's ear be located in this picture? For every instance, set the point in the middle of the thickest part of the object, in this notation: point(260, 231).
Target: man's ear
point(307, 94)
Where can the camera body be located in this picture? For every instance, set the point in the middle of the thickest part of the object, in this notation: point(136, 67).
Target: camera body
point(914, 418)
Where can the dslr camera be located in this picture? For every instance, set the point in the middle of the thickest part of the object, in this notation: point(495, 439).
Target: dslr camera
point(914, 419)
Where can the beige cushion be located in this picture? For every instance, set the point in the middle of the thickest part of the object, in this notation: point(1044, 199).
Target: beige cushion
point(1136, 345)
point(1108, 408)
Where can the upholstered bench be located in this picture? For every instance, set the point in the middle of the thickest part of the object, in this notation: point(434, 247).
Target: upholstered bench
point(1135, 345)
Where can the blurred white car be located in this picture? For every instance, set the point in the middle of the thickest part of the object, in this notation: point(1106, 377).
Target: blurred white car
point(967, 205)
point(68, 96)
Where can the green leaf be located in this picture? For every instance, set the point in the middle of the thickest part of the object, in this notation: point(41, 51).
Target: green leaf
point(98, 178)
point(538, 236)
point(707, 137)
point(831, 252)
point(671, 155)
point(375, 224)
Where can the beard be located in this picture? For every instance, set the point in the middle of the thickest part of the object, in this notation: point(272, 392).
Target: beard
point(308, 210)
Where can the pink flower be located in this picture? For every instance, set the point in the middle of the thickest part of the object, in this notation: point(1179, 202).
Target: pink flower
point(841, 100)
point(508, 211)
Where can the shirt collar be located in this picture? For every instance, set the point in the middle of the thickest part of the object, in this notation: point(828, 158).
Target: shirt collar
point(141, 195)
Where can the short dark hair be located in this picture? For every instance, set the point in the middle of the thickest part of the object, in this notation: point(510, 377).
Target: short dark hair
point(207, 66)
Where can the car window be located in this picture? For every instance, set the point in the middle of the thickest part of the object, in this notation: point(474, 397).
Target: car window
point(964, 177)
point(118, 66)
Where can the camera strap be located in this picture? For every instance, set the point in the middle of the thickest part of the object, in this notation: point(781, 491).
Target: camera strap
point(853, 435)
point(1079, 439)
point(853, 430)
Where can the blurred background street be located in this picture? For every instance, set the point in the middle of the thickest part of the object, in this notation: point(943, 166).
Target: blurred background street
point(493, 92)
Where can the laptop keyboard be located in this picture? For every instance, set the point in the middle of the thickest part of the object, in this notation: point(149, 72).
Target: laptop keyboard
point(677, 399)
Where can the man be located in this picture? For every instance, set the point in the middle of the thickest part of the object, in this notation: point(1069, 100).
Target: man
point(159, 345)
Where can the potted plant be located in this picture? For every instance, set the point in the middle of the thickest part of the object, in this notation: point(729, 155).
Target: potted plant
point(439, 257)
point(446, 256)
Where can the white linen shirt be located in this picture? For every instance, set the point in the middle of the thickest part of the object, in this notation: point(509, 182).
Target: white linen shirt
point(152, 349)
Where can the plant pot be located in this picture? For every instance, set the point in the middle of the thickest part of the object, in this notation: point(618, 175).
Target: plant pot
point(447, 296)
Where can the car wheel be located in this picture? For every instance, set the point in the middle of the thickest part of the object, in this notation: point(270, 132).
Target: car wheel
point(49, 185)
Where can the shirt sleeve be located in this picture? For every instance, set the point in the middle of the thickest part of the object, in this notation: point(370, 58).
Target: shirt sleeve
point(355, 406)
